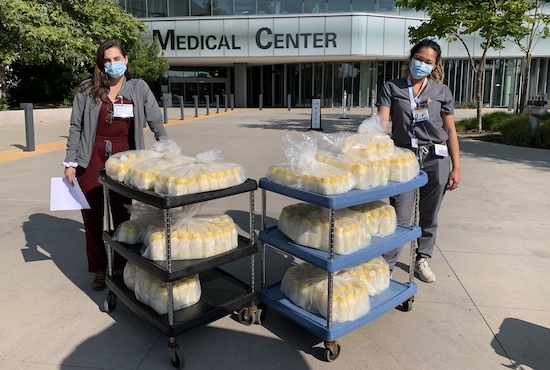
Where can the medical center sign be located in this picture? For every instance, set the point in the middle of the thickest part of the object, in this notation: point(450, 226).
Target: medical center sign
point(249, 38)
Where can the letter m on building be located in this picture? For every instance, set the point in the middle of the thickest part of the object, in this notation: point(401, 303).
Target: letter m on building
point(164, 42)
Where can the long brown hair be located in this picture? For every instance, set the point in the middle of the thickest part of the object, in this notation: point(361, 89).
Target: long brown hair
point(100, 80)
point(437, 72)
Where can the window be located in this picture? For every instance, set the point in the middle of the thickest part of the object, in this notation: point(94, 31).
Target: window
point(245, 7)
point(200, 7)
point(222, 7)
point(268, 7)
point(363, 5)
point(137, 8)
point(178, 8)
point(334, 6)
point(157, 8)
point(314, 6)
point(291, 7)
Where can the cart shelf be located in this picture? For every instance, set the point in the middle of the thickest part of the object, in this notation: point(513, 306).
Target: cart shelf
point(221, 295)
point(180, 268)
point(274, 237)
point(351, 198)
point(165, 202)
point(390, 298)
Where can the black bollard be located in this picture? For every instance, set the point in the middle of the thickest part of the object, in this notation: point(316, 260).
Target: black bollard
point(29, 126)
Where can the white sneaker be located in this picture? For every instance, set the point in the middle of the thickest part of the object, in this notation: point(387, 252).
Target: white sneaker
point(423, 270)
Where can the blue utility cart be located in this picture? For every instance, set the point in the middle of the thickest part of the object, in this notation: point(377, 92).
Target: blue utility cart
point(397, 294)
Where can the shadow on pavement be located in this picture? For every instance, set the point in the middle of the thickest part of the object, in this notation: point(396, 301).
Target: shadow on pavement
point(59, 239)
point(535, 157)
point(523, 343)
point(205, 347)
point(329, 124)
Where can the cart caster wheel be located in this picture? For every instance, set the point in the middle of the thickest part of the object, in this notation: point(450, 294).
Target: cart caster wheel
point(110, 302)
point(176, 356)
point(332, 351)
point(407, 305)
point(247, 315)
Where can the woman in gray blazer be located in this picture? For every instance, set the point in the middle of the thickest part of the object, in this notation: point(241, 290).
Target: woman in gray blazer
point(109, 113)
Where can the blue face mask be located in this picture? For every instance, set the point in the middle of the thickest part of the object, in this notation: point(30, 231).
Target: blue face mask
point(419, 69)
point(115, 69)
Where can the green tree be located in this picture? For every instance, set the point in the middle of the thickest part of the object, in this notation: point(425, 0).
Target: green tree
point(526, 35)
point(145, 60)
point(63, 32)
point(491, 20)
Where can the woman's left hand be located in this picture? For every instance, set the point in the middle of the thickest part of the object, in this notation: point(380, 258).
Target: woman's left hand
point(454, 180)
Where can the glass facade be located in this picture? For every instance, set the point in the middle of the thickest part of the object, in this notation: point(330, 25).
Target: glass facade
point(178, 8)
point(359, 80)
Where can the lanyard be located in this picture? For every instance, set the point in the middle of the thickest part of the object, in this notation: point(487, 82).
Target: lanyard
point(414, 99)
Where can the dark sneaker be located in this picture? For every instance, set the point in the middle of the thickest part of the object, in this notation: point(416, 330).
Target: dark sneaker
point(99, 281)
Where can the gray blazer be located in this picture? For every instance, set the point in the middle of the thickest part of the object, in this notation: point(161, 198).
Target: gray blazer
point(85, 113)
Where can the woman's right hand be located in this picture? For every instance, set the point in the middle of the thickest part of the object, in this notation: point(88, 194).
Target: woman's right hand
point(70, 173)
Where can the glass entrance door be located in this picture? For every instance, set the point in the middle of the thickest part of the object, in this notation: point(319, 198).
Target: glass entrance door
point(191, 87)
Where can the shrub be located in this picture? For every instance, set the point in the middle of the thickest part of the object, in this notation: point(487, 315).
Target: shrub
point(493, 121)
point(515, 131)
point(466, 124)
point(542, 136)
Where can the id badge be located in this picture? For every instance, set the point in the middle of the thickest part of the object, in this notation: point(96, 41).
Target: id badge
point(414, 142)
point(421, 115)
point(123, 110)
point(441, 150)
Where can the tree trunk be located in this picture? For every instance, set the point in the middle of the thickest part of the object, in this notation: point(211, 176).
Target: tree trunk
point(480, 80)
point(525, 83)
point(3, 87)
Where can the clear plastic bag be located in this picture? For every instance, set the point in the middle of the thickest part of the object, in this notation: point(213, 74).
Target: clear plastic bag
point(307, 287)
point(192, 236)
point(368, 172)
point(129, 275)
point(381, 217)
point(403, 165)
point(371, 140)
point(206, 172)
point(303, 171)
point(308, 225)
point(133, 230)
point(118, 165)
point(154, 292)
point(375, 273)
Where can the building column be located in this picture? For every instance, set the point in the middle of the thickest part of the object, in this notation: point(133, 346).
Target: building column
point(240, 85)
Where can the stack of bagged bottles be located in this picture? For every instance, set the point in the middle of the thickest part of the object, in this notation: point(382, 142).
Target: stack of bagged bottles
point(308, 225)
point(193, 236)
point(154, 292)
point(307, 286)
point(331, 164)
point(166, 171)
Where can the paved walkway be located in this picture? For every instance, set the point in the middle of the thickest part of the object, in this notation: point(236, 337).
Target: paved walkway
point(489, 308)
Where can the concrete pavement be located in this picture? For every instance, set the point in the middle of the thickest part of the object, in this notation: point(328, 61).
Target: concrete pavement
point(489, 309)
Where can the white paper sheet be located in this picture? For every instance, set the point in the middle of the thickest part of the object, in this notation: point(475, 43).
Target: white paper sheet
point(64, 197)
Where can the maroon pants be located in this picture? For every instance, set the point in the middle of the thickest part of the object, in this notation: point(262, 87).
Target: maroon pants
point(94, 226)
point(94, 217)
